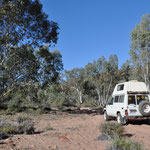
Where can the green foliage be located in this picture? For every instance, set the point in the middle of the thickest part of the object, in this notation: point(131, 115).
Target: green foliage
point(76, 79)
point(125, 72)
point(23, 118)
point(31, 25)
point(101, 77)
point(52, 96)
point(124, 144)
point(112, 130)
point(50, 65)
point(30, 72)
point(7, 128)
point(26, 64)
point(15, 104)
point(140, 50)
point(49, 128)
point(34, 111)
point(25, 127)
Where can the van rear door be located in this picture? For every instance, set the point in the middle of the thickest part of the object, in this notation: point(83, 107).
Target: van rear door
point(132, 105)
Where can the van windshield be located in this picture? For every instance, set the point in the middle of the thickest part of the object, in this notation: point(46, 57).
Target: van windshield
point(137, 99)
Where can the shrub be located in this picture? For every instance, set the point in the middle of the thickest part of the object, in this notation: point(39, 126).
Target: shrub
point(49, 128)
point(14, 105)
point(8, 128)
point(26, 127)
point(22, 118)
point(113, 130)
point(38, 111)
point(124, 144)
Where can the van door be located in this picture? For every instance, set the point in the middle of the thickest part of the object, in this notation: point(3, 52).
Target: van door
point(109, 107)
point(132, 106)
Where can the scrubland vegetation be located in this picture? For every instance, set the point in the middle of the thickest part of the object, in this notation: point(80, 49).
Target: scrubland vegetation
point(32, 75)
point(32, 78)
point(116, 134)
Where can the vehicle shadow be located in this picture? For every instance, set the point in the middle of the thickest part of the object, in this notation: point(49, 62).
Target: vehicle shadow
point(139, 122)
point(95, 111)
point(84, 111)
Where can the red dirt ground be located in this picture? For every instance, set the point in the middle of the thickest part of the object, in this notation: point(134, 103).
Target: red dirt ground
point(70, 132)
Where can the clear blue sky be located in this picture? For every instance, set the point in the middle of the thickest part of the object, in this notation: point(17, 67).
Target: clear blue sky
point(90, 29)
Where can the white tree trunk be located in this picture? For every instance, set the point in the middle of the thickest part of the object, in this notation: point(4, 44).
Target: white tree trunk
point(99, 97)
point(108, 90)
point(80, 96)
point(147, 76)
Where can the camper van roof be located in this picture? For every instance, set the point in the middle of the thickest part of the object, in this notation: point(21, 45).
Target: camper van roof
point(131, 87)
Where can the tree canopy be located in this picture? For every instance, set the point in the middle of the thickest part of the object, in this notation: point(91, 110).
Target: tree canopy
point(140, 48)
point(31, 72)
point(26, 36)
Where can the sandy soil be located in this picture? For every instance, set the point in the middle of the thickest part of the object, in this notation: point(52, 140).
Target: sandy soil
point(70, 132)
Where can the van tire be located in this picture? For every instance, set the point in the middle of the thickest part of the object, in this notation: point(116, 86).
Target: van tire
point(106, 117)
point(144, 108)
point(120, 119)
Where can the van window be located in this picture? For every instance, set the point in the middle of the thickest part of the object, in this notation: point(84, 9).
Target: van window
point(131, 99)
point(121, 99)
point(120, 87)
point(111, 101)
point(116, 99)
point(141, 98)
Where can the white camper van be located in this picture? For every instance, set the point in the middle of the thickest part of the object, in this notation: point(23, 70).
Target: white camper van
point(130, 100)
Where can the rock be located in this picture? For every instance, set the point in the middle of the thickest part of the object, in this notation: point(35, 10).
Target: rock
point(102, 137)
point(32, 146)
point(63, 138)
point(56, 147)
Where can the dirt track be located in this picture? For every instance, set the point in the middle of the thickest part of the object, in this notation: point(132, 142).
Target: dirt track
point(71, 132)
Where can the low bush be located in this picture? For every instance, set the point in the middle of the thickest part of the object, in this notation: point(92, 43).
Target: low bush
point(23, 118)
point(124, 144)
point(113, 130)
point(23, 125)
point(7, 128)
point(26, 127)
point(49, 128)
point(38, 111)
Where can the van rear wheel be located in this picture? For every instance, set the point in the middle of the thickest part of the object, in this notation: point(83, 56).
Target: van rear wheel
point(120, 120)
point(106, 117)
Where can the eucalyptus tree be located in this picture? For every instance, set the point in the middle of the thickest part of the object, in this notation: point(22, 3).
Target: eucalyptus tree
point(140, 49)
point(95, 75)
point(76, 79)
point(111, 77)
point(102, 75)
point(125, 71)
point(50, 65)
point(24, 32)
